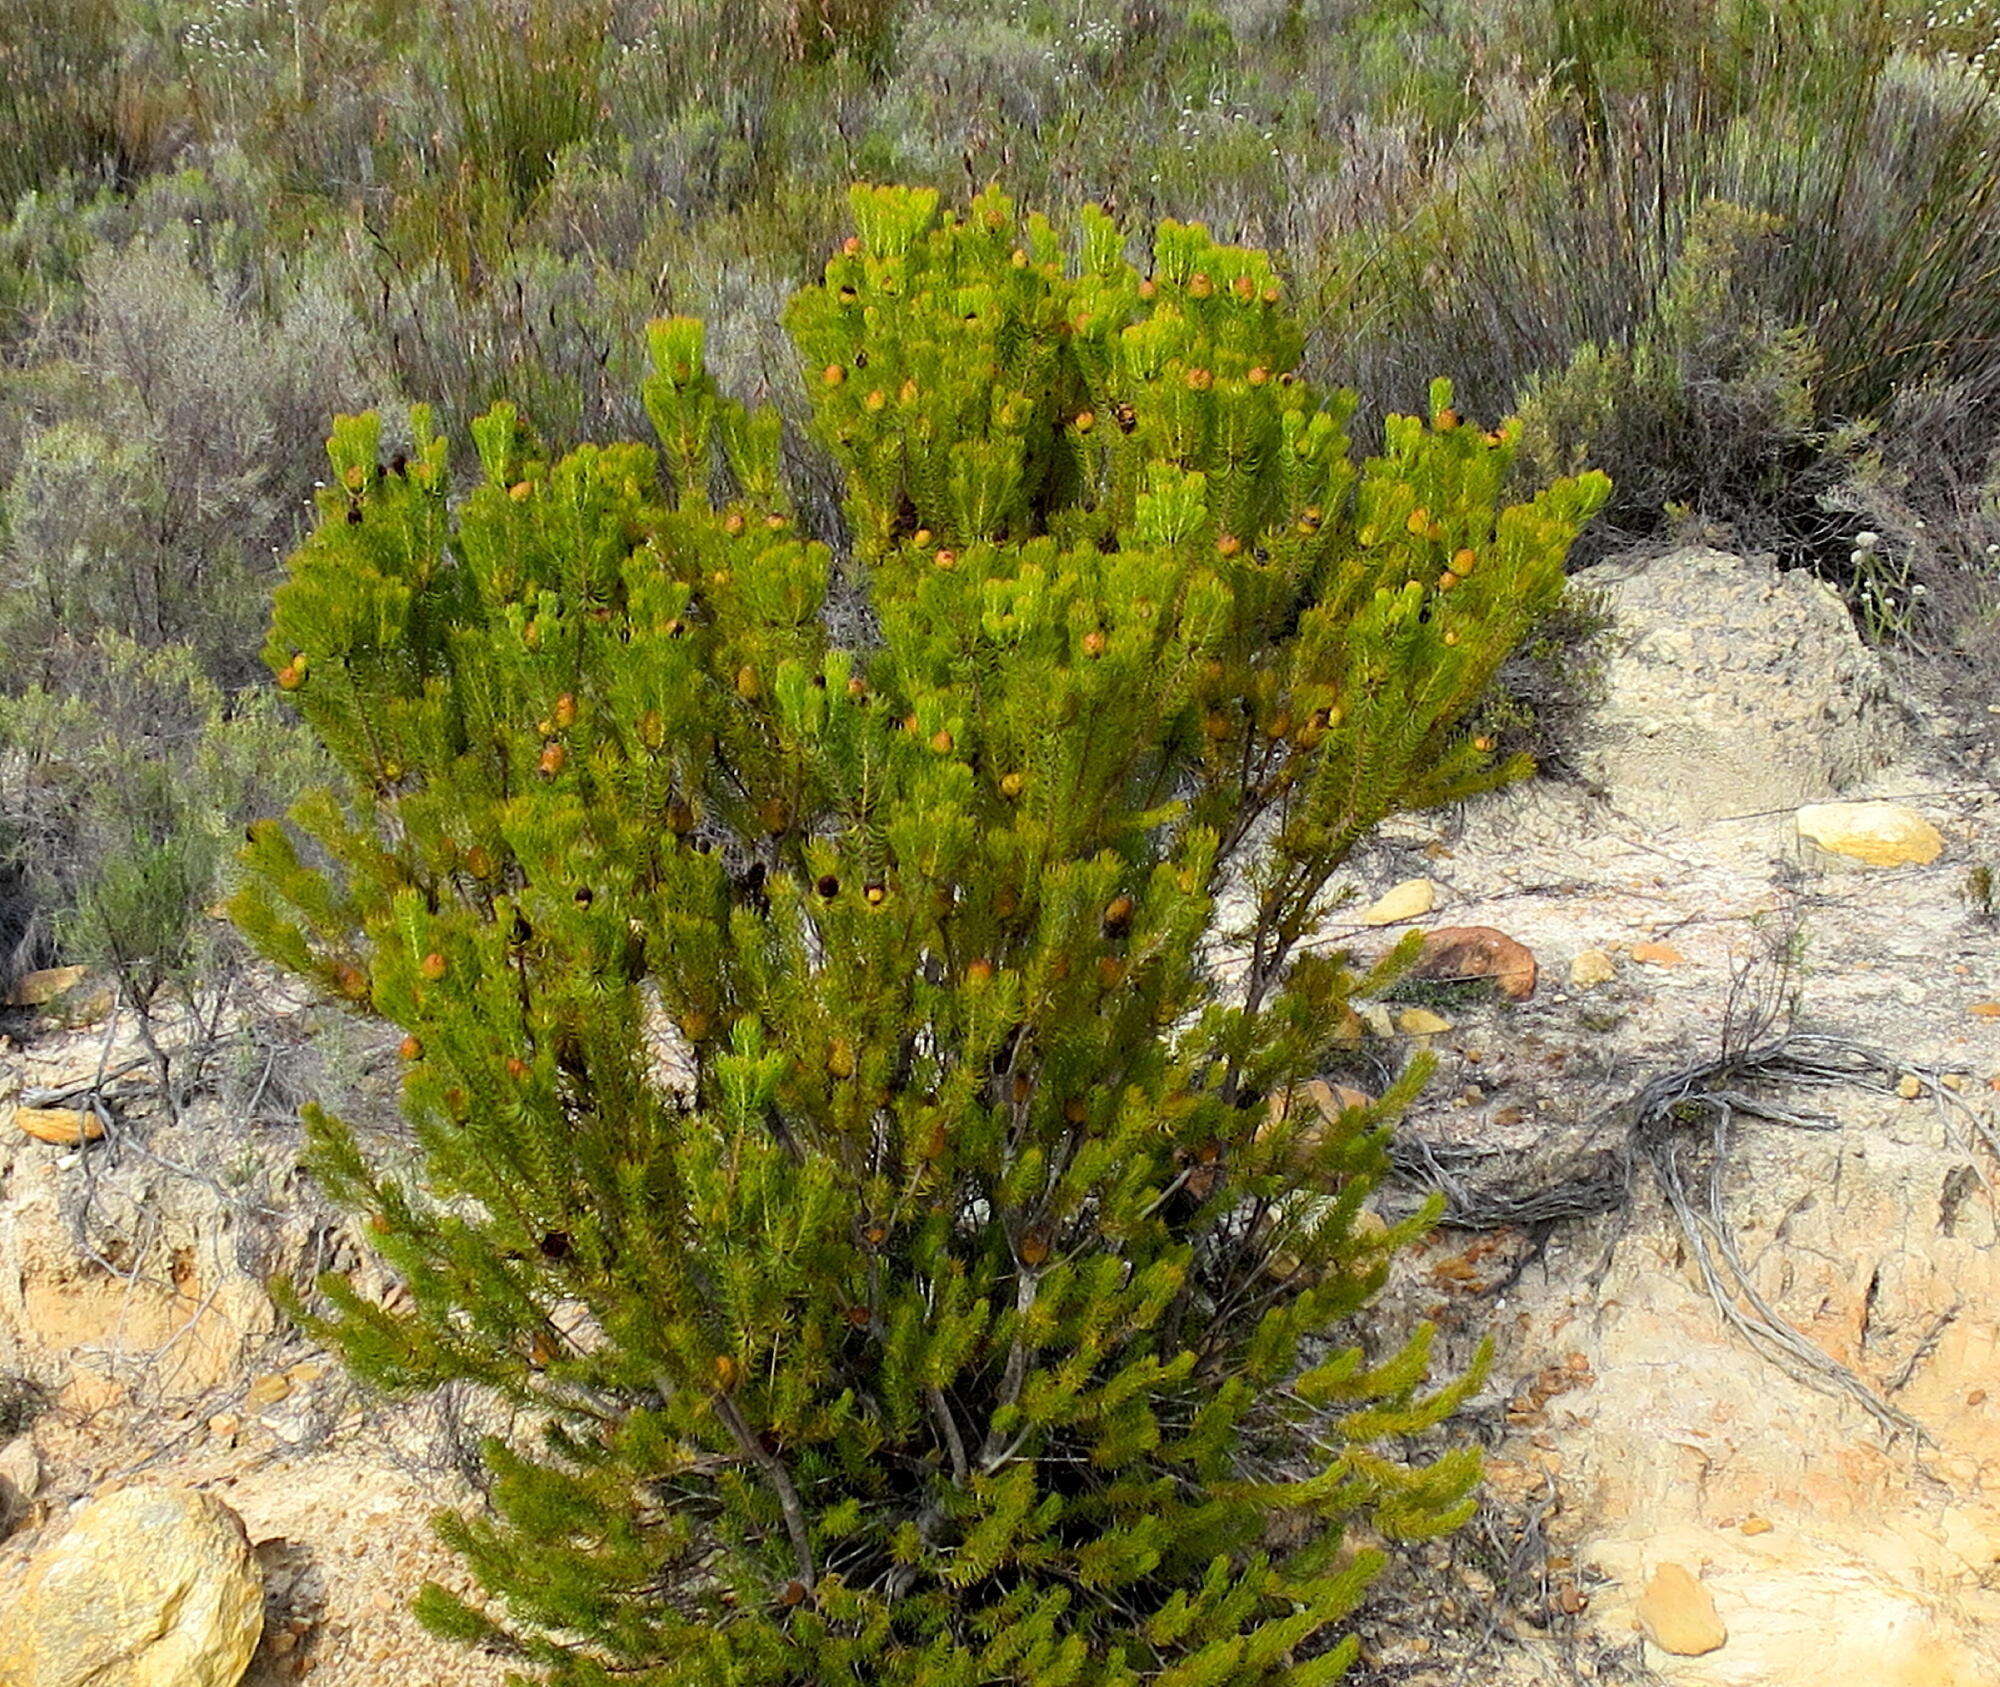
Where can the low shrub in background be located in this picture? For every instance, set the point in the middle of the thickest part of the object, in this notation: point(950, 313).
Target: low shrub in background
point(1709, 403)
point(151, 498)
point(833, 1126)
point(502, 193)
point(125, 785)
point(60, 94)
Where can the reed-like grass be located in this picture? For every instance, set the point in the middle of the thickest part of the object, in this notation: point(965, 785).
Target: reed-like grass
point(60, 93)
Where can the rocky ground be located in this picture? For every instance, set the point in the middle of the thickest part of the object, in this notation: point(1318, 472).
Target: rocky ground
point(1721, 1188)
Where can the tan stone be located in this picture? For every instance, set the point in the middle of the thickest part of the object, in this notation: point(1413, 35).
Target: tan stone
point(20, 1482)
point(1591, 968)
point(1877, 834)
point(1332, 1100)
point(1421, 1022)
point(1309, 1109)
point(1678, 1614)
point(89, 1392)
point(267, 1391)
point(1467, 953)
point(85, 1005)
point(65, 1127)
point(38, 989)
point(1727, 686)
point(1909, 1086)
point(196, 1331)
point(21, 1467)
point(1379, 1020)
point(149, 1587)
point(1410, 900)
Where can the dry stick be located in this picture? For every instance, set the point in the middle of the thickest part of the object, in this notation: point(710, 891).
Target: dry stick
point(1649, 1126)
point(1949, 1103)
point(1927, 1346)
point(1763, 1327)
point(992, 1454)
point(107, 1130)
point(781, 1483)
point(54, 1095)
point(961, 1471)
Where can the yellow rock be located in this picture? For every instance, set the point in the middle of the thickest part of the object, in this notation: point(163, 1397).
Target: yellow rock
point(1410, 900)
point(1909, 1086)
point(1421, 1022)
point(150, 1587)
point(1678, 1615)
point(1591, 968)
point(1878, 834)
point(63, 1126)
point(38, 989)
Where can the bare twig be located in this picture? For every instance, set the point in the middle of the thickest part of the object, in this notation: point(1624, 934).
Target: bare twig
point(780, 1480)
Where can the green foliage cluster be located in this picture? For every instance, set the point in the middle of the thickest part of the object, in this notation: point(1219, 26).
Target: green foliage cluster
point(833, 1127)
point(525, 88)
point(159, 468)
point(59, 76)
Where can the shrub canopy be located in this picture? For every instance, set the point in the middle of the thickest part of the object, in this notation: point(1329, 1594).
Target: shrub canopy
point(856, 1003)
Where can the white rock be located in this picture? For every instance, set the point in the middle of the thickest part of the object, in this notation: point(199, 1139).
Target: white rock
point(1729, 688)
point(20, 1482)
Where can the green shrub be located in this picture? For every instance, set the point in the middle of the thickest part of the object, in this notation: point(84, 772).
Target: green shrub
point(1572, 262)
point(525, 82)
point(833, 1125)
point(1709, 406)
point(126, 779)
point(818, 30)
